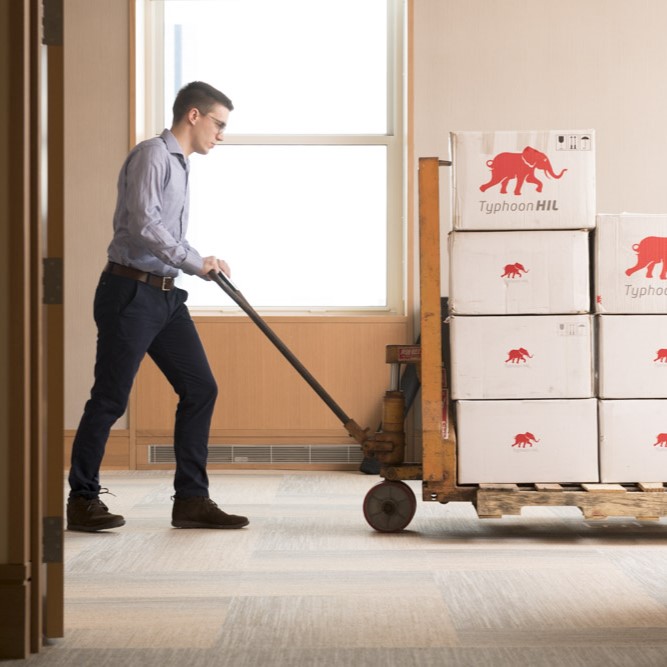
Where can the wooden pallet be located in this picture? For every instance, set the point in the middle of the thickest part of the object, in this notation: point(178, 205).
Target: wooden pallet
point(646, 501)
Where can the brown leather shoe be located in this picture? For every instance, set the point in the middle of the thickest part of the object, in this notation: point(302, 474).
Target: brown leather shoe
point(201, 512)
point(90, 515)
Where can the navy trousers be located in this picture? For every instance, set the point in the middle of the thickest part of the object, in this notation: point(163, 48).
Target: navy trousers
point(133, 319)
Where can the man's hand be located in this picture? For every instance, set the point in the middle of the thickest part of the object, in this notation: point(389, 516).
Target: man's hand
point(214, 264)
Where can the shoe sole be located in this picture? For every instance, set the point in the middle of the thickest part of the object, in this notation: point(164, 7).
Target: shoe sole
point(198, 524)
point(116, 523)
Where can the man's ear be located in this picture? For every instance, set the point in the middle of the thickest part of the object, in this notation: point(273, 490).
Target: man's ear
point(193, 114)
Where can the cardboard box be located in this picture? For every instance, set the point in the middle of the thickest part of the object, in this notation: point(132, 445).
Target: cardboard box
point(517, 442)
point(511, 273)
point(632, 356)
point(523, 180)
point(631, 264)
point(633, 441)
point(522, 356)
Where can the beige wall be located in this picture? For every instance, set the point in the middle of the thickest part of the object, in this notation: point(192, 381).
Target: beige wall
point(540, 64)
point(96, 142)
point(478, 64)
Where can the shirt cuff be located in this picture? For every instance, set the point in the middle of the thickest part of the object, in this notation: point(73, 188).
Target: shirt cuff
point(193, 263)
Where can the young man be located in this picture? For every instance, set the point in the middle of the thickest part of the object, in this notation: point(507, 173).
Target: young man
point(138, 310)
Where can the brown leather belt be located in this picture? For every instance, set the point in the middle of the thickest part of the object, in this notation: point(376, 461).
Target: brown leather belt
point(165, 283)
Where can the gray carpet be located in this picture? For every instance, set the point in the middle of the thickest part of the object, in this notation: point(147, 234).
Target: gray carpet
point(310, 583)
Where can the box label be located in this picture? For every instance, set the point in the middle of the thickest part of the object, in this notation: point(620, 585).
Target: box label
point(519, 169)
point(523, 440)
point(650, 251)
point(513, 271)
point(518, 356)
point(574, 142)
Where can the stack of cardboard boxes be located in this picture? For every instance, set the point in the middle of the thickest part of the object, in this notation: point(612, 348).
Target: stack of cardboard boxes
point(521, 334)
point(631, 300)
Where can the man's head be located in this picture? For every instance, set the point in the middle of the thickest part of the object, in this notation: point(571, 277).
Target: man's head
point(200, 117)
point(198, 95)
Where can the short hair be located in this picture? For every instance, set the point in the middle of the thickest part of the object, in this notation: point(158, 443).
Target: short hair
point(198, 95)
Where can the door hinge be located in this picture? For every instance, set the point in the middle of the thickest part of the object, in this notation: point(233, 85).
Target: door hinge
point(52, 23)
point(53, 280)
point(52, 540)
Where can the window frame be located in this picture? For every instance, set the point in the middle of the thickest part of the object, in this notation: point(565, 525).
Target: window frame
point(147, 122)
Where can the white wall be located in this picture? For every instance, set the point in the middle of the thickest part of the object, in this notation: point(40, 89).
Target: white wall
point(546, 64)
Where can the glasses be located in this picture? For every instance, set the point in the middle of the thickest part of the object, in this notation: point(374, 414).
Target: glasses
point(219, 125)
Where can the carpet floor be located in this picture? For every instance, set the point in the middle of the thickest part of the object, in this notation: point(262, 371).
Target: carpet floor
point(310, 583)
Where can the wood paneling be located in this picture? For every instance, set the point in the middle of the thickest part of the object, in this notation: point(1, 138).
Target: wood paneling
point(259, 391)
point(262, 399)
point(117, 453)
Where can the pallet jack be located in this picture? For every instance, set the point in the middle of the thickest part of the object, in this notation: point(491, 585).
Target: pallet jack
point(386, 446)
point(390, 505)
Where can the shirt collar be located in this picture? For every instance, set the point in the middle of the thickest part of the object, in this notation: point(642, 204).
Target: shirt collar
point(172, 143)
point(173, 146)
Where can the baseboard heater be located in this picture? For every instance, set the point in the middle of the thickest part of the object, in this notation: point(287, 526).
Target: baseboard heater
point(240, 454)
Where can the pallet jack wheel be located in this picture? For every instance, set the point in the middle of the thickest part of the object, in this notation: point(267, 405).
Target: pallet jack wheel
point(390, 506)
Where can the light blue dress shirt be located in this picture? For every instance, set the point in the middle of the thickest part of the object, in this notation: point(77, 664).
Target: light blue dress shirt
point(151, 217)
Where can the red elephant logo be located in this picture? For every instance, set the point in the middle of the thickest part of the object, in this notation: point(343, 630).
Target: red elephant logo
point(661, 440)
point(524, 440)
point(661, 355)
point(650, 251)
point(506, 166)
point(514, 270)
point(520, 354)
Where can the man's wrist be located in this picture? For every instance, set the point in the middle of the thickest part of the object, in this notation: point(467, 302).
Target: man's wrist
point(193, 263)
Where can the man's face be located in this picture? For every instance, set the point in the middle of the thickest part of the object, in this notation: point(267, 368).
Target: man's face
point(209, 128)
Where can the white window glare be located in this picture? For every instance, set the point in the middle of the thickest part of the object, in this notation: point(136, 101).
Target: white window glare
point(314, 235)
point(290, 67)
point(304, 197)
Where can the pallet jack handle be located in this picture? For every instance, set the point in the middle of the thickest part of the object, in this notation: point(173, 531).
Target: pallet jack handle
point(359, 434)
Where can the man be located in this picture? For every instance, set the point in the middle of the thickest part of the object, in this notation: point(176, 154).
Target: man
point(139, 310)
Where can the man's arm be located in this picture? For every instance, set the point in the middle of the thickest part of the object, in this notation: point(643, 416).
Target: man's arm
point(153, 223)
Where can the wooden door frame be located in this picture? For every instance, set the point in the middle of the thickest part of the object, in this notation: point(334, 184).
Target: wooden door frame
point(36, 332)
point(16, 576)
point(31, 600)
point(51, 449)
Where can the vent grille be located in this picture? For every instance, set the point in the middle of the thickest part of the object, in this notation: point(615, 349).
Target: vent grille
point(240, 454)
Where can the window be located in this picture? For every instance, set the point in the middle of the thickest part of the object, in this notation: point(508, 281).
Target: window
point(305, 198)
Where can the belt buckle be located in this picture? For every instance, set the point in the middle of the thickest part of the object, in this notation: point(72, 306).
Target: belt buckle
point(167, 283)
